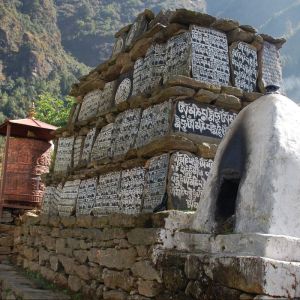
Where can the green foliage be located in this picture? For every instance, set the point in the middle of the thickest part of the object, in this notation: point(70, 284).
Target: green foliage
point(53, 110)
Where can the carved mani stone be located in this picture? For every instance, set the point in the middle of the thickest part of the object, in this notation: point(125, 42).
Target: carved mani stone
point(53, 211)
point(123, 88)
point(155, 123)
point(88, 144)
point(107, 198)
point(77, 150)
point(119, 45)
point(76, 112)
point(244, 66)
point(125, 131)
point(67, 203)
point(178, 56)
point(89, 106)
point(47, 199)
point(86, 196)
point(106, 101)
point(210, 61)
point(102, 146)
point(155, 182)
point(187, 176)
point(201, 119)
point(270, 65)
point(131, 190)
point(64, 154)
point(137, 28)
point(148, 71)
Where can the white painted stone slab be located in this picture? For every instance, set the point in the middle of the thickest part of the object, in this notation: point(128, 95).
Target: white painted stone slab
point(64, 152)
point(77, 150)
point(89, 106)
point(106, 100)
point(131, 191)
point(67, 203)
point(102, 146)
point(86, 196)
point(107, 198)
point(88, 145)
point(47, 199)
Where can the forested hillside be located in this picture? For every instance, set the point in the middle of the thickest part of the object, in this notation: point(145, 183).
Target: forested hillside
point(46, 44)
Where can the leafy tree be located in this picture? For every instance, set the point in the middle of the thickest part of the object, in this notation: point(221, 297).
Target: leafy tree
point(53, 110)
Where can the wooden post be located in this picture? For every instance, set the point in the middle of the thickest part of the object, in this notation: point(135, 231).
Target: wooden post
point(4, 168)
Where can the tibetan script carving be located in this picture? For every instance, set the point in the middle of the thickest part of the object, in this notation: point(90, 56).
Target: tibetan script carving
point(201, 119)
point(88, 144)
point(47, 199)
point(67, 203)
point(119, 45)
point(139, 68)
point(244, 66)
point(155, 123)
point(210, 61)
point(86, 196)
point(271, 65)
point(131, 191)
point(178, 56)
point(102, 146)
point(107, 198)
point(188, 174)
point(137, 28)
point(155, 183)
point(89, 106)
point(125, 131)
point(77, 150)
point(64, 154)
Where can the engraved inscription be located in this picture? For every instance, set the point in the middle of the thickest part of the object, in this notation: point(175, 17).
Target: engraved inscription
point(202, 119)
point(107, 198)
point(271, 65)
point(47, 199)
point(178, 56)
point(210, 61)
point(119, 46)
point(86, 196)
point(64, 154)
point(67, 203)
point(154, 123)
point(89, 106)
point(88, 144)
point(131, 191)
point(102, 146)
point(124, 90)
point(244, 66)
point(77, 151)
point(125, 131)
point(188, 174)
point(155, 182)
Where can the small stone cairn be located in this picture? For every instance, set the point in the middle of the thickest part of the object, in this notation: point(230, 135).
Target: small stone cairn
point(147, 122)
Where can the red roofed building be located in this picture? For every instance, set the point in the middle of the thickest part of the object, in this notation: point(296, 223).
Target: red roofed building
point(27, 156)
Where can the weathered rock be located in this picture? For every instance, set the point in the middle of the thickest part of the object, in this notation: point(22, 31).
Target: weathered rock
point(185, 16)
point(43, 256)
point(225, 24)
point(278, 42)
point(239, 34)
point(114, 280)
point(74, 283)
point(82, 271)
point(248, 28)
point(67, 263)
point(231, 90)
point(140, 48)
point(173, 91)
point(185, 81)
point(207, 150)
point(81, 255)
point(250, 97)
point(145, 270)
point(192, 267)
point(149, 288)
point(228, 102)
point(194, 289)
point(117, 259)
point(84, 221)
point(96, 273)
point(114, 295)
point(68, 221)
point(174, 279)
point(144, 236)
point(54, 264)
point(205, 96)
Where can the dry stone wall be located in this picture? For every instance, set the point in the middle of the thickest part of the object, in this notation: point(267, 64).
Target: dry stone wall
point(143, 134)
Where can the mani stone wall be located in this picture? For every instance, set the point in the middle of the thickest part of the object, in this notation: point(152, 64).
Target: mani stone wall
point(144, 131)
point(141, 257)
